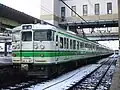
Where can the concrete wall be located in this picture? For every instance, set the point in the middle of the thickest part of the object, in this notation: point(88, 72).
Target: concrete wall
point(51, 10)
point(91, 7)
point(8, 21)
point(90, 3)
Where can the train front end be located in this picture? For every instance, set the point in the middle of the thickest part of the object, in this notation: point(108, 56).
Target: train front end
point(32, 48)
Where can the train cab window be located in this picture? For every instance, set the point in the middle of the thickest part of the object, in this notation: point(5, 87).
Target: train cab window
point(71, 44)
point(43, 35)
point(61, 42)
point(27, 36)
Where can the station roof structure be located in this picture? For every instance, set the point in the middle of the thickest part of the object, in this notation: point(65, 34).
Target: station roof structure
point(15, 15)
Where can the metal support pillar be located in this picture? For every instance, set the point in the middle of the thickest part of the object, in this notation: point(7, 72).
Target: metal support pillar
point(67, 27)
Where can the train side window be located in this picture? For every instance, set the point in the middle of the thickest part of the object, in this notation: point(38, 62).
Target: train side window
point(67, 43)
point(74, 44)
point(70, 44)
point(83, 45)
point(88, 46)
point(77, 44)
point(80, 44)
point(56, 40)
point(93, 47)
point(61, 42)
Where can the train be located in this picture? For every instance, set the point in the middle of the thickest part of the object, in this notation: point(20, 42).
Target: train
point(44, 50)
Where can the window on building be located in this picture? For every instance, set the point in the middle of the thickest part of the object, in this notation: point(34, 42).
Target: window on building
point(72, 13)
point(109, 8)
point(97, 11)
point(62, 12)
point(85, 11)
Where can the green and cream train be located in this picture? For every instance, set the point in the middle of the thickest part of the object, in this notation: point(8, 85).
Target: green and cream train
point(45, 50)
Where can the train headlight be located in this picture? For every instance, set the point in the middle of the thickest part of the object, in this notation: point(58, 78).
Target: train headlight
point(13, 47)
point(35, 46)
point(42, 47)
point(18, 46)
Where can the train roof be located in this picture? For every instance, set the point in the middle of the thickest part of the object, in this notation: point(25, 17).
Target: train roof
point(46, 26)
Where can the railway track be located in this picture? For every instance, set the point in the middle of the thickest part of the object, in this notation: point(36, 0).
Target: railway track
point(97, 79)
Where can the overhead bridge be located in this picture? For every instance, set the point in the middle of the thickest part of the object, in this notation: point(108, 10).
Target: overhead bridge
point(103, 37)
point(101, 30)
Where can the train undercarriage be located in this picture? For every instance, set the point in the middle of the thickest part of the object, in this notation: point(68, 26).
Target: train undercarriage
point(52, 70)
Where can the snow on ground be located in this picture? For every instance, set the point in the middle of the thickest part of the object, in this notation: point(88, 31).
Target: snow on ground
point(65, 81)
point(105, 59)
point(102, 60)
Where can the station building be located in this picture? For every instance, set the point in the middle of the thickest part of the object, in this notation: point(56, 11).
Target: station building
point(55, 11)
point(95, 12)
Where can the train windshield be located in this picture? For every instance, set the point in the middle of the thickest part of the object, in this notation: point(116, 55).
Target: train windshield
point(43, 35)
point(16, 36)
point(27, 36)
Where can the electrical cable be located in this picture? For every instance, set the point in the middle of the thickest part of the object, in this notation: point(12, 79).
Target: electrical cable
point(74, 11)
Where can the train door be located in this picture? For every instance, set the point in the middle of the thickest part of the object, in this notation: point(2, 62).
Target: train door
point(27, 47)
point(56, 47)
point(16, 47)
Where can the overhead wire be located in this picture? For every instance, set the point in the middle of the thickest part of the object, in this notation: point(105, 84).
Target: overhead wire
point(74, 11)
point(77, 15)
point(45, 9)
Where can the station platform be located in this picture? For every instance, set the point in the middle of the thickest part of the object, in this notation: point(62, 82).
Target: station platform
point(5, 61)
point(116, 77)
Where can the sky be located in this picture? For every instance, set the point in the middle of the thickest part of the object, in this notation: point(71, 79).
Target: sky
point(32, 7)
